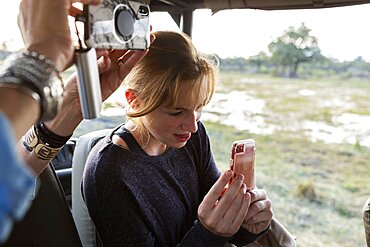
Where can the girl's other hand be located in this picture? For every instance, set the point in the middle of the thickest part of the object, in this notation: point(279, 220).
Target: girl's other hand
point(224, 215)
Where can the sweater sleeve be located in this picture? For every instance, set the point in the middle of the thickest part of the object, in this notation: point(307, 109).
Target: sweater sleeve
point(207, 168)
point(243, 237)
point(199, 236)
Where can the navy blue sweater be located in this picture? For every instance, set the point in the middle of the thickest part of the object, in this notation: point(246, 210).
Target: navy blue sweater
point(140, 200)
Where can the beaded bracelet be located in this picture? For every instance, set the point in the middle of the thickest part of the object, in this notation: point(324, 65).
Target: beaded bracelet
point(49, 137)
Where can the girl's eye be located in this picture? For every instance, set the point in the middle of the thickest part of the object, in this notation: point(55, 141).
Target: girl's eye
point(175, 113)
point(199, 108)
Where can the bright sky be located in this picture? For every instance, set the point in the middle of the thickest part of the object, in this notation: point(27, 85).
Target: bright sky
point(343, 33)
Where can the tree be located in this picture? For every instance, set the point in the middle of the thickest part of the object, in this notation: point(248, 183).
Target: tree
point(294, 47)
point(258, 60)
point(233, 64)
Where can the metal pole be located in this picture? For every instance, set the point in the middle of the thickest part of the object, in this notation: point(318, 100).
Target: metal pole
point(187, 22)
point(176, 18)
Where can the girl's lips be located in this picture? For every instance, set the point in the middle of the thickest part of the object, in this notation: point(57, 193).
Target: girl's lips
point(182, 138)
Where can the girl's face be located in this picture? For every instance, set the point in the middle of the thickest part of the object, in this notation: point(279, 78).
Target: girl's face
point(172, 126)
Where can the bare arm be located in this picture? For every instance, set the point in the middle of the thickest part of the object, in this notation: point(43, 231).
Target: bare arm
point(63, 124)
point(69, 116)
point(53, 41)
point(20, 108)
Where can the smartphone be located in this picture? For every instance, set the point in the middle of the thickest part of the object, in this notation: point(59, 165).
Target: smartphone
point(242, 160)
point(117, 24)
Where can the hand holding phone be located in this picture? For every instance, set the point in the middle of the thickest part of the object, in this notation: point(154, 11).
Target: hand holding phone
point(242, 160)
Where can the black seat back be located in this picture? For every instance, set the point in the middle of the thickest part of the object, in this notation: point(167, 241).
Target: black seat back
point(48, 221)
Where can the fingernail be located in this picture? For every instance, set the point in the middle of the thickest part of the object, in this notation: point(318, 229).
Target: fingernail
point(240, 177)
point(104, 64)
point(105, 60)
point(228, 173)
point(244, 188)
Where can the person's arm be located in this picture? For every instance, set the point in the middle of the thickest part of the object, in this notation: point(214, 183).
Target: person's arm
point(69, 115)
point(16, 182)
point(53, 41)
point(23, 78)
point(20, 109)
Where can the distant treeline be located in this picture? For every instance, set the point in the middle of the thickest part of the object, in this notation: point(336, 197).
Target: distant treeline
point(327, 67)
point(297, 54)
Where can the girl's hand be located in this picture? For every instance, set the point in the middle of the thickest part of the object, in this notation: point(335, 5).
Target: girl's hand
point(260, 212)
point(224, 215)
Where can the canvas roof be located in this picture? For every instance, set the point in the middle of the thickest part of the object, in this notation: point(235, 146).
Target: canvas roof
point(179, 6)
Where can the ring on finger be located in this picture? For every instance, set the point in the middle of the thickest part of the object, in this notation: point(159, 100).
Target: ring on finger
point(119, 63)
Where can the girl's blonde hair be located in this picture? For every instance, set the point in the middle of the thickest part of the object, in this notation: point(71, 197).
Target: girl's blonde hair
point(171, 63)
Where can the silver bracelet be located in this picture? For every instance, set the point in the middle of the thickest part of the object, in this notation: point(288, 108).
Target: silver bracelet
point(35, 72)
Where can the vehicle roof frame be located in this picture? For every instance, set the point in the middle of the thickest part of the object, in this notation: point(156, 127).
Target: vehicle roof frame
point(181, 11)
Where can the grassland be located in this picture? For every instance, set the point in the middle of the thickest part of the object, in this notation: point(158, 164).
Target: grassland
point(317, 188)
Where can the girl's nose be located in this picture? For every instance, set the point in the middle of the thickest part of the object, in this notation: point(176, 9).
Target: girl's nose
point(191, 123)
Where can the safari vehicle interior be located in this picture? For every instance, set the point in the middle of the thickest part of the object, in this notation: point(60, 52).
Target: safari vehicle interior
point(58, 216)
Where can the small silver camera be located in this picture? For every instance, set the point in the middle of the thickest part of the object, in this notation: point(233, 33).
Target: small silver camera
point(114, 24)
point(117, 24)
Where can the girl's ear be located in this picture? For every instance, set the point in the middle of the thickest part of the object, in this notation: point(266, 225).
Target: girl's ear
point(132, 98)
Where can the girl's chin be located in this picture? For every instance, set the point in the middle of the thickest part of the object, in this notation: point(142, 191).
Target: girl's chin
point(178, 144)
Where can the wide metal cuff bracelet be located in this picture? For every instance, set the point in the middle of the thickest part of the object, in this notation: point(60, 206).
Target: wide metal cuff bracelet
point(33, 142)
point(35, 72)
